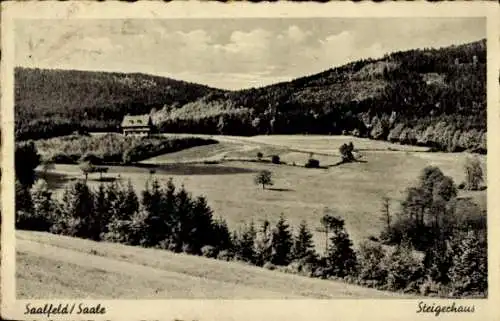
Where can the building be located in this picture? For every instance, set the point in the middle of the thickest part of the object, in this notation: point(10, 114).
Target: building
point(138, 125)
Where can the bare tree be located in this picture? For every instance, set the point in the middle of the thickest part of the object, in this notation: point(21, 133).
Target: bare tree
point(385, 210)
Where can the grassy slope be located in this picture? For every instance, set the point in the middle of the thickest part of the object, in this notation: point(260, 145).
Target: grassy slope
point(52, 266)
point(353, 191)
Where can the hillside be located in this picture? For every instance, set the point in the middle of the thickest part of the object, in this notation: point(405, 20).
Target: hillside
point(430, 97)
point(52, 266)
point(56, 102)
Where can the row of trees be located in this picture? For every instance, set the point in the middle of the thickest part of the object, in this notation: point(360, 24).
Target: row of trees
point(451, 231)
point(113, 148)
point(169, 218)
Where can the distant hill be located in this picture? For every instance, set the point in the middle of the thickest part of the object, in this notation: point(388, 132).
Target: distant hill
point(431, 97)
point(57, 102)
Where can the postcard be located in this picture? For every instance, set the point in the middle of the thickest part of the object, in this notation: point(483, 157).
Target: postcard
point(250, 161)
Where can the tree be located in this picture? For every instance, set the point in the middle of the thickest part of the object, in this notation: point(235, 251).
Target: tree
point(263, 178)
point(244, 243)
point(370, 258)
point(221, 235)
point(46, 167)
point(101, 214)
point(259, 156)
point(469, 271)
point(43, 205)
point(200, 231)
point(24, 208)
point(263, 244)
point(26, 160)
point(386, 214)
point(404, 270)
point(281, 243)
point(152, 207)
point(303, 246)
point(76, 209)
point(87, 168)
point(473, 174)
point(340, 257)
point(346, 152)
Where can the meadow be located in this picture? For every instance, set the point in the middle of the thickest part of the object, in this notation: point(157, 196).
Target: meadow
point(353, 191)
point(55, 267)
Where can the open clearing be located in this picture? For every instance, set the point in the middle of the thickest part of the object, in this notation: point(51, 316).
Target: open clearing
point(55, 267)
point(352, 191)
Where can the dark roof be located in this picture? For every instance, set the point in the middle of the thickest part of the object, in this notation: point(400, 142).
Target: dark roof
point(136, 121)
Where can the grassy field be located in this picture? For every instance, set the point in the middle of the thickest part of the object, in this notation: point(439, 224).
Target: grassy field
point(55, 267)
point(352, 191)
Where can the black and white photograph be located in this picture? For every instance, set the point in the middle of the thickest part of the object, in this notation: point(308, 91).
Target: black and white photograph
point(250, 158)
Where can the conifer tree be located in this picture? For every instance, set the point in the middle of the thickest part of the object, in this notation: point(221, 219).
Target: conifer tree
point(130, 201)
point(43, 204)
point(281, 243)
point(222, 238)
point(340, 257)
point(24, 207)
point(114, 199)
point(182, 221)
point(263, 244)
point(76, 209)
point(245, 243)
point(200, 227)
point(303, 246)
point(102, 213)
point(151, 204)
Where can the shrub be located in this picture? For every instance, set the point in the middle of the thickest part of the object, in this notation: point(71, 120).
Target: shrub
point(432, 288)
point(225, 255)
point(469, 271)
point(209, 251)
point(269, 266)
point(473, 174)
point(119, 231)
point(312, 163)
point(259, 156)
point(404, 271)
point(304, 266)
point(275, 159)
point(370, 263)
point(62, 158)
point(91, 158)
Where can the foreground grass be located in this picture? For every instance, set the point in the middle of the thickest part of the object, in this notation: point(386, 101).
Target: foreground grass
point(53, 266)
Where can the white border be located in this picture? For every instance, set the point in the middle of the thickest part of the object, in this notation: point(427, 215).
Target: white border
point(384, 309)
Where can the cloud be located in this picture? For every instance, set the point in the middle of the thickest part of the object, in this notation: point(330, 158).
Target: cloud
point(255, 52)
point(296, 34)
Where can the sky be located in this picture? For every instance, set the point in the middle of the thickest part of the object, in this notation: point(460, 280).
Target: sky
point(229, 53)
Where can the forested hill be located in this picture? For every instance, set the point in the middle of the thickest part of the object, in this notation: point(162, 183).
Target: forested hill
point(433, 97)
point(56, 102)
